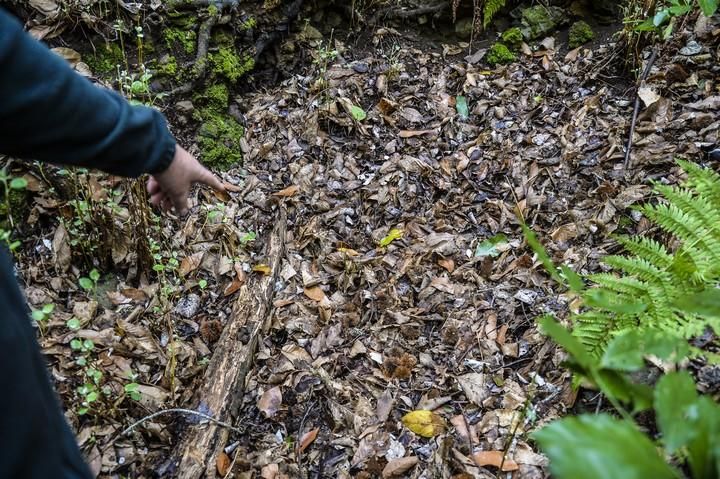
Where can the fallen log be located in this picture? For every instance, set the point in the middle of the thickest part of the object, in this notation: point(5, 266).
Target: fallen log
point(224, 381)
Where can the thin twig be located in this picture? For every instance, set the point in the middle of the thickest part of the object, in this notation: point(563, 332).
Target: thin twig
point(211, 419)
point(637, 106)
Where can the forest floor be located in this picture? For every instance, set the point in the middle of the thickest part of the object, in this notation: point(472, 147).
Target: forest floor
point(405, 282)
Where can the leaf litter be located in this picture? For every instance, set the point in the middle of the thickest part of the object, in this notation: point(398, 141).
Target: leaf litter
point(402, 339)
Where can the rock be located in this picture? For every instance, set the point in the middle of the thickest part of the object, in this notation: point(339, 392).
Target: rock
point(538, 21)
point(580, 33)
point(714, 155)
point(464, 27)
point(692, 48)
point(188, 306)
point(185, 106)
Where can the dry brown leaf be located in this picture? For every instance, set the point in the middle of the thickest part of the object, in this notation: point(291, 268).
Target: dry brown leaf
point(270, 401)
point(287, 192)
point(306, 440)
point(463, 427)
point(232, 188)
point(61, 248)
point(231, 288)
point(190, 263)
point(399, 466)
point(70, 55)
point(315, 293)
point(222, 463)
point(447, 263)
point(271, 471)
point(222, 195)
point(495, 458)
point(413, 133)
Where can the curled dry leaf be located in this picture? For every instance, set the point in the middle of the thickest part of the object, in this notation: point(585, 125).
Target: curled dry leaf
point(262, 268)
point(496, 459)
point(306, 440)
point(190, 263)
point(288, 192)
point(424, 423)
point(270, 401)
point(223, 463)
point(447, 263)
point(315, 293)
point(399, 466)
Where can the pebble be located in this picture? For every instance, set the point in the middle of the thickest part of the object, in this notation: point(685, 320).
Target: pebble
point(188, 306)
point(714, 155)
point(692, 48)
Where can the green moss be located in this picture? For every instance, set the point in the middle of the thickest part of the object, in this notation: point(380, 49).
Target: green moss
point(18, 200)
point(105, 58)
point(214, 98)
point(513, 38)
point(219, 134)
point(213, 10)
point(540, 20)
point(499, 54)
point(219, 140)
point(168, 67)
point(580, 34)
point(227, 63)
point(185, 38)
point(248, 24)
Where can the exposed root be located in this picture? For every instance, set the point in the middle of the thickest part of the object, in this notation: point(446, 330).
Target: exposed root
point(267, 39)
point(200, 65)
point(394, 12)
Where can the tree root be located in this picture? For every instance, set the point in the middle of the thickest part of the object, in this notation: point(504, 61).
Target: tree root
point(394, 12)
point(199, 66)
point(267, 39)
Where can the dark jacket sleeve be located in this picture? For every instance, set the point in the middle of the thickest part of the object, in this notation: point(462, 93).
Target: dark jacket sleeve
point(50, 113)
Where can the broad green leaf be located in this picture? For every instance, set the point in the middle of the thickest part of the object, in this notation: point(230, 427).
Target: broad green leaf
point(705, 303)
point(18, 183)
point(76, 344)
point(95, 275)
point(247, 237)
point(674, 394)
point(704, 449)
point(86, 283)
point(490, 247)
point(708, 7)
point(73, 323)
point(564, 338)
point(48, 308)
point(462, 107)
point(131, 387)
point(627, 351)
point(38, 315)
point(575, 281)
point(358, 113)
point(661, 17)
point(603, 299)
point(392, 235)
point(600, 447)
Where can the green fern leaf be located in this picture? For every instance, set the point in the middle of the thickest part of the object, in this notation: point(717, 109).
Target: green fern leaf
point(490, 9)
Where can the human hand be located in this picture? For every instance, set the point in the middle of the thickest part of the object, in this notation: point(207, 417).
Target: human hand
point(171, 187)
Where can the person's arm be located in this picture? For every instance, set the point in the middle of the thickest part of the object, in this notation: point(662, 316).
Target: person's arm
point(50, 113)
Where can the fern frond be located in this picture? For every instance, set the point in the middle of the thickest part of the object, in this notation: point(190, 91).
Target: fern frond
point(686, 228)
point(639, 267)
point(595, 329)
point(647, 249)
point(699, 208)
point(490, 9)
point(626, 285)
point(703, 180)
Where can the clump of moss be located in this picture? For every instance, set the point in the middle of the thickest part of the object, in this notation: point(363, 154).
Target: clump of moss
point(227, 63)
point(168, 66)
point(248, 24)
point(105, 58)
point(220, 134)
point(219, 140)
point(18, 202)
point(580, 34)
point(499, 54)
point(513, 38)
point(187, 39)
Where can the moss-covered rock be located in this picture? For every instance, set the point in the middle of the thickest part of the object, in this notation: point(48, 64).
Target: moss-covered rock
point(18, 202)
point(168, 66)
point(580, 34)
point(184, 38)
point(105, 59)
point(464, 27)
point(539, 20)
point(499, 54)
point(513, 38)
point(229, 64)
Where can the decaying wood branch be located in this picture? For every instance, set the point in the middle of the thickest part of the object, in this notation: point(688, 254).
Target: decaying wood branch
point(224, 381)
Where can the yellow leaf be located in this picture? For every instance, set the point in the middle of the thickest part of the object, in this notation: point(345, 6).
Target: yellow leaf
point(391, 236)
point(424, 423)
point(262, 268)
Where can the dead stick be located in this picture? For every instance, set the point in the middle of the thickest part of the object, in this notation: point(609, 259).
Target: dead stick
point(644, 76)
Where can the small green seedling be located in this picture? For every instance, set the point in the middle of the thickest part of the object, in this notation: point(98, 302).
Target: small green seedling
point(90, 283)
point(43, 314)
